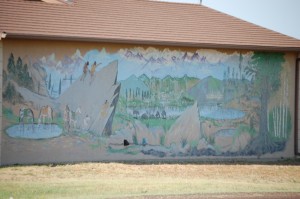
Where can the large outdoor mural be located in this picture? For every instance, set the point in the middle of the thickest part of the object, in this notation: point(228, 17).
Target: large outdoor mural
point(147, 103)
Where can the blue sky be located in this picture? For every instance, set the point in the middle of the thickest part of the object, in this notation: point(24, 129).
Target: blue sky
point(280, 15)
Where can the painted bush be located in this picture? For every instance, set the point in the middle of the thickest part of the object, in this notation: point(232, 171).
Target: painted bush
point(164, 103)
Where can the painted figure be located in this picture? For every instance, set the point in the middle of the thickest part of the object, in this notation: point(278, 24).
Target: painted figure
point(86, 122)
point(104, 109)
point(93, 69)
point(73, 121)
point(85, 71)
point(78, 116)
point(67, 119)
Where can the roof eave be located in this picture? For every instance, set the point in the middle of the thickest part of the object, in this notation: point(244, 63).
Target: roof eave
point(155, 42)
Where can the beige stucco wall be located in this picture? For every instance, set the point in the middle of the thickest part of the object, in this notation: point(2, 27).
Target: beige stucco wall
point(34, 49)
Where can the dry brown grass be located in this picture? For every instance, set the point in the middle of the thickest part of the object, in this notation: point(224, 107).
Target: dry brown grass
point(105, 180)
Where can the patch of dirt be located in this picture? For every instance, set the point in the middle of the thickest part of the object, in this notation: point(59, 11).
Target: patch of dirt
point(230, 196)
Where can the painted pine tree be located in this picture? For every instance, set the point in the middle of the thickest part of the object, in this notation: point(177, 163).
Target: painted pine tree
point(265, 70)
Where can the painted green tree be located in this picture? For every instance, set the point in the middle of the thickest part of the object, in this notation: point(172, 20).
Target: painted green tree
point(49, 82)
point(11, 67)
point(19, 72)
point(19, 69)
point(265, 70)
point(59, 87)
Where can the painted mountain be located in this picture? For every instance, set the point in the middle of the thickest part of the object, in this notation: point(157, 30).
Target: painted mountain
point(209, 89)
point(95, 97)
point(133, 85)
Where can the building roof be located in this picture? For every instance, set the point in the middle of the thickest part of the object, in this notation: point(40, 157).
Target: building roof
point(138, 22)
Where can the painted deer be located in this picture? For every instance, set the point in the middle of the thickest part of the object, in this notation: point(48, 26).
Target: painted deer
point(25, 116)
point(46, 115)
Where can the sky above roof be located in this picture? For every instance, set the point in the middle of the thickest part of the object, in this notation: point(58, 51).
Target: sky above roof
point(279, 15)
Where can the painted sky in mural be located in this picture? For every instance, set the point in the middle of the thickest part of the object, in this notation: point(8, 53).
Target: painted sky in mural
point(151, 62)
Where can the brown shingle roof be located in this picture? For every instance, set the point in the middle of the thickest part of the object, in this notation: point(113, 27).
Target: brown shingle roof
point(137, 21)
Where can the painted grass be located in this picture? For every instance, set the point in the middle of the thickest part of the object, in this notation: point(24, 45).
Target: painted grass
point(99, 180)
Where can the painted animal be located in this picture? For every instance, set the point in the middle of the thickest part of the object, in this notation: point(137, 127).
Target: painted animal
point(157, 114)
point(152, 116)
point(164, 114)
point(26, 116)
point(46, 115)
point(145, 116)
point(136, 113)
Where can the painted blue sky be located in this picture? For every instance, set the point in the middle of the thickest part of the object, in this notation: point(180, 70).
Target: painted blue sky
point(151, 62)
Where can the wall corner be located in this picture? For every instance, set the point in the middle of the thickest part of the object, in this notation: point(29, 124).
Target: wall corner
point(297, 102)
point(1, 72)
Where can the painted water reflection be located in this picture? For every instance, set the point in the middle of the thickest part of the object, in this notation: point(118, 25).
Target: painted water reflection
point(219, 113)
point(226, 132)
